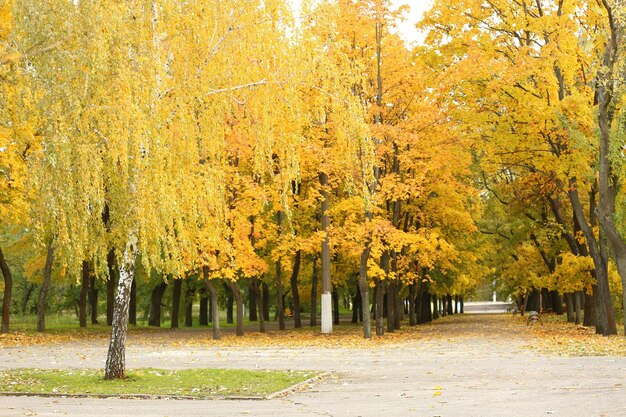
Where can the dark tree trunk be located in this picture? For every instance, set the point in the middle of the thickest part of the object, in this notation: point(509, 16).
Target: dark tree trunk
point(335, 297)
point(449, 304)
point(189, 296)
point(295, 295)
point(111, 281)
point(236, 291)
point(8, 293)
point(43, 292)
point(577, 296)
point(589, 319)
point(462, 306)
point(154, 319)
point(266, 301)
point(364, 288)
point(380, 307)
point(256, 288)
point(203, 319)
point(398, 312)
point(132, 308)
point(229, 303)
point(176, 292)
point(313, 319)
point(82, 300)
point(28, 292)
point(115, 367)
point(214, 306)
point(419, 301)
point(355, 307)
point(428, 308)
point(569, 307)
point(412, 292)
point(280, 307)
point(93, 300)
point(456, 304)
point(557, 302)
point(252, 309)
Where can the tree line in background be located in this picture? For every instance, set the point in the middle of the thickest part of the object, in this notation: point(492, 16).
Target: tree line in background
point(234, 148)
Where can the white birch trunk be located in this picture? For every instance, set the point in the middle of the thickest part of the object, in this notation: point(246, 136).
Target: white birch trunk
point(116, 357)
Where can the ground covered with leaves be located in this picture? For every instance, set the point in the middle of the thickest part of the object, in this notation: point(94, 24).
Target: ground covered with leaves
point(554, 336)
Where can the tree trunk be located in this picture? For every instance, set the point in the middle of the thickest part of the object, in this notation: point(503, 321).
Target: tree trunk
point(176, 292)
point(8, 293)
point(154, 318)
point(569, 307)
point(313, 319)
point(456, 304)
point(295, 295)
point(189, 296)
point(214, 306)
point(280, 307)
point(111, 286)
point(449, 304)
point(203, 319)
point(116, 359)
point(252, 302)
point(132, 308)
point(577, 296)
point(327, 324)
point(412, 318)
point(43, 292)
point(525, 303)
point(379, 291)
point(557, 302)
point(607, 179)
point(335, 298)
point(28, 292)
point(428, 307)
point(589, 319)
point(604, 315)
point(236, 291)
point(365, 295)
point(462, 306)
point(229, 303)
point(266, 301)
point(260, 298)
point(419, 308)
point(82, 300)
point(93, 300)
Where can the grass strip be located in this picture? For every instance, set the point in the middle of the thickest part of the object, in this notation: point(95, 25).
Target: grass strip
point(196, 383)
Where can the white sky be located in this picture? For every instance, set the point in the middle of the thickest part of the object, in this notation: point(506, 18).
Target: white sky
point(407, 28)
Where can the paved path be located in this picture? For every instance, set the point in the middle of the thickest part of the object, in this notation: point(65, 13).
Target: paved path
point(480, 375)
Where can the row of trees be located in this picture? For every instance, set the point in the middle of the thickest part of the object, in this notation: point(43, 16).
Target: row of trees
point(228, 141)
point(539, 87)
point(223, 140)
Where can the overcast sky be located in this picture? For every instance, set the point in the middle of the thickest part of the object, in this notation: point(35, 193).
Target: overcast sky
point(407, 28)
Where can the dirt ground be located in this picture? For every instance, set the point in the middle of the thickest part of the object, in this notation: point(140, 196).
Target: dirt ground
point(460, 366)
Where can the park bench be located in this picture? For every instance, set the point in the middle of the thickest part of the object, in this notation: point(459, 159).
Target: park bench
point(534, 317)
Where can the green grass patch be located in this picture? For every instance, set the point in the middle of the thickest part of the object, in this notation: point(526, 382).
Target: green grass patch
point(149, 381)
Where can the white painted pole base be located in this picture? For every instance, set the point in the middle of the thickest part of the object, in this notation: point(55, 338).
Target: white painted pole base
point(327, 313)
